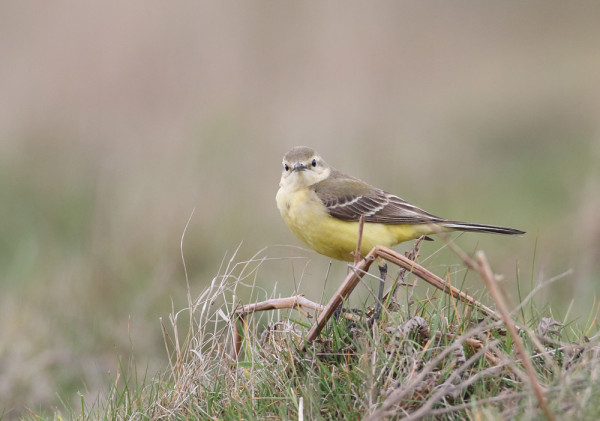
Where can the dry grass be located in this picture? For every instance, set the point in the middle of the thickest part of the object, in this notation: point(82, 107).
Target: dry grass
point(429, 357)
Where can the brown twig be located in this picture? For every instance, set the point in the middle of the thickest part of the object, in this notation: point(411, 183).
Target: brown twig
point(432, 279)
point(391, 256)
point(484, 269)
point(341, 294)
point(297, 302)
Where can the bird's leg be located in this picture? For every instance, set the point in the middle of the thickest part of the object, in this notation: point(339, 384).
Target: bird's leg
point(382, 275)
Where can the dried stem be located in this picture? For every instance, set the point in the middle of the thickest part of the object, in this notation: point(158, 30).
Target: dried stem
point(341, 294)
point(391, 256)
point(297, 302)
point(484, 269)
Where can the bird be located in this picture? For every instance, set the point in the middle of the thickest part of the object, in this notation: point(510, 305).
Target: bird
point(322, 206)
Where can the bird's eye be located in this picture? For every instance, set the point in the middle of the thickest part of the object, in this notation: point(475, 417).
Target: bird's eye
point(286, 167)
point(314, 163)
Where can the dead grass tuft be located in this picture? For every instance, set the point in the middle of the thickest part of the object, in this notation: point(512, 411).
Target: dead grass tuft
point(434, 357)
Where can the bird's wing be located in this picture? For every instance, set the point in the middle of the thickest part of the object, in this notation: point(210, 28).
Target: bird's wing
point(348, 198)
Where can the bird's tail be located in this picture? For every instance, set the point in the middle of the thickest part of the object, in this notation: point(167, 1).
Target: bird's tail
point(464, 226)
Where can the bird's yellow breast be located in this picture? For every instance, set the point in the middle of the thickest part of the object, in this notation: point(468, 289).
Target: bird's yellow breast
point(308, 218)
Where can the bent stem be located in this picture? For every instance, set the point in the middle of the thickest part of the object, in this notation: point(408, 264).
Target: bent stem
point(357, 272)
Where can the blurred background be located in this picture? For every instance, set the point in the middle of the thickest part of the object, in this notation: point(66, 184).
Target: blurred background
point(117, 119)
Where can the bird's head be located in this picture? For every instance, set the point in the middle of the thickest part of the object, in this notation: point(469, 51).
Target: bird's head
point(303, 167)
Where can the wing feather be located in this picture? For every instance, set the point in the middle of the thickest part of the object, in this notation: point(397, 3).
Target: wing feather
point(348, 198)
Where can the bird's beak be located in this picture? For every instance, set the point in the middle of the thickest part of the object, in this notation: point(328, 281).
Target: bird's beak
point(299, 167)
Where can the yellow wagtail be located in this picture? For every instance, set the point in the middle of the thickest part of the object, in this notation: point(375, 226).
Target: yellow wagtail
point(322, 206)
